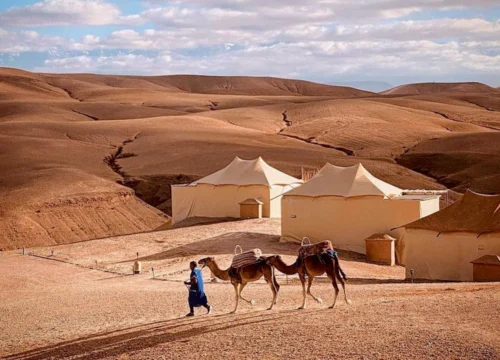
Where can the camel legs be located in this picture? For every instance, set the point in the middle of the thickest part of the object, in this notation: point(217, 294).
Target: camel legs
point(342, 282)
point(304, 295)
point(237, 297)
point(335, 286)
point(242, 286)
point(310, 280)
point(274, 288)
point(277, 287)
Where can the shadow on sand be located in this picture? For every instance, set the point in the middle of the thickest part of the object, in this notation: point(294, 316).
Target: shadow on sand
point(132, 339)
point(224, 244)
point(200, 221)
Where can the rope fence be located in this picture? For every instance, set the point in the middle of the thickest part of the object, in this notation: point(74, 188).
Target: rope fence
point(156, 273)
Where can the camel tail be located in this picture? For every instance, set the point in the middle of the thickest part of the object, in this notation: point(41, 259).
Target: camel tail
point(340, 271)
point(273, 280)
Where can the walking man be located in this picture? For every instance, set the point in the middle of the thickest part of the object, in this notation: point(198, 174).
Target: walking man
point(197, 295)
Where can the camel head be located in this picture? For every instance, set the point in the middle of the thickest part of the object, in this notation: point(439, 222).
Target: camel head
point(205, 261)
point(273, 259)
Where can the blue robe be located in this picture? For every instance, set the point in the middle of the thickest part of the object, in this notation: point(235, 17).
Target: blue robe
point(197, 295)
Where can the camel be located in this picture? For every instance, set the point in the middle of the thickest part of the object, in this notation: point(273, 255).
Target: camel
point(242, 276)
point(315, 265)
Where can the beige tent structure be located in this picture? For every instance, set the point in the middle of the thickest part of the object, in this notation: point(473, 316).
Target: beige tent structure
point(219, 194)
point(442, 245)
point(346, 205)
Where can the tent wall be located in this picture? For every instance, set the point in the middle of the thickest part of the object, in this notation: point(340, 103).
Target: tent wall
point(182, 202)
point(275, 201)
point(216, 201)
point(429, 206)
point(447, 256)
point(346, 222)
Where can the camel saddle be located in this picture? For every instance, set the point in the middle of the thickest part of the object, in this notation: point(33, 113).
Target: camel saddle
point(246, 258)
point(320, 248)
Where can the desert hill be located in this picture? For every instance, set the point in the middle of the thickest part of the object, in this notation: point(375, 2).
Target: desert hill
point(460, 162)
point(202, 84)
point(244, 85)
point(22, 85)
point(435, 88)
point(77, 150)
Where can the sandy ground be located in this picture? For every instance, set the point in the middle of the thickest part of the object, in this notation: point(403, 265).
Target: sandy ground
point(52, 309)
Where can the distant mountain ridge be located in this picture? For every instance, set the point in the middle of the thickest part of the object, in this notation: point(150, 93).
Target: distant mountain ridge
point(374, 86)
point(201, 84)
point(249, 85)
point(434, 88)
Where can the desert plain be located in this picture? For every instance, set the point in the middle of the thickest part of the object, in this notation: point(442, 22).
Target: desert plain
point(87, 162)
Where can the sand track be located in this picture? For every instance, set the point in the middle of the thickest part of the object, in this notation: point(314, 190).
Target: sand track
point(100, 315)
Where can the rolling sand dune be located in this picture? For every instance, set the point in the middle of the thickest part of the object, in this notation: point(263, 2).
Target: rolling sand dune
point(71, 176)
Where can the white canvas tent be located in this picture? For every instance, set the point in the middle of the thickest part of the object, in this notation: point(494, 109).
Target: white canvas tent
point(346, 205)
point(219, 194)
point(442, 245)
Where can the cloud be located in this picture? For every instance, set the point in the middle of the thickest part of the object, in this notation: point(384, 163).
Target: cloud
point(320, 61)
point(184, 38)
point(462, 29)
point(256, 15)
point(290, 38)
point(476, 32)
point(65, 13)
point(265, 14)
point(29, 40)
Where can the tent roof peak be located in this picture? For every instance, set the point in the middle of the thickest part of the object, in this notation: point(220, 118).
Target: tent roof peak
point(345, 182)
point(242, 172)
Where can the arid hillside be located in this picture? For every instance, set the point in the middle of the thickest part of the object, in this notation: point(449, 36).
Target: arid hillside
point(460, 162)
point(436, 88)
point(86, 156)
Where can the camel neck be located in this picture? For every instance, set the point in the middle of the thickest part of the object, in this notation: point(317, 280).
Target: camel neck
point(284, 268)
point(218, 272)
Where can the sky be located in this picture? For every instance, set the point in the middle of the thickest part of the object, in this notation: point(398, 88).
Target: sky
point(328, 41)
